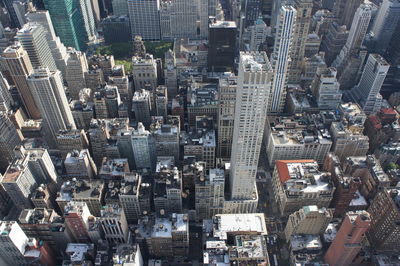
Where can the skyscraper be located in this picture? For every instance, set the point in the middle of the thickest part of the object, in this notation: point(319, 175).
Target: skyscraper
point(303, 20)
point(281, 56)
point(120, 7)
point(344, 11)
point(58, 49)
point(252, 94)
point(19, 66)
point(9, 138)
point(252, 11)
point(385, 23)
point(33, 39)
point(145, 18)
point(49, 93)
point(5, 95)
point(347, 242)
point(68, 19)
point(13, 243)
point(258, 34)
point(75, 74)
point(356, 36)
point(366, 93)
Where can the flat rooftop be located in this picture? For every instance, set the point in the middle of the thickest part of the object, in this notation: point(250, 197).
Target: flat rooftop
point(236, 223)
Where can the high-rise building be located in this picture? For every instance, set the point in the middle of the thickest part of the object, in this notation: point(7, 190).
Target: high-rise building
point(178, 19)
point(309, 220)
point(366, 93)
point(13, 243)
point(325, 89)
point(166, 135)
point(385, 24)
point(167, 191)
point(68, 18)
point(348, 240)
point(120, 7)
point(75, 74)
point(76, 215)
point(252, 11)
point(280, 57)
point(356, 36)
point(79, 164)
point(141, 106)
point(258, 34)
point(384, 234)
point(333, 41)
point(252, 94)
point(33, 39)
point(222, 46)
point(344, 11)
point(114, 224)
point(10, 137)
point(144, 71)
point(143, 148)
point(303, 21)
point(6, 100)
point(116, 29)
point(58, 50)
point(226, 115)
point(20, 67)
point(145, 18)
point(49, 93)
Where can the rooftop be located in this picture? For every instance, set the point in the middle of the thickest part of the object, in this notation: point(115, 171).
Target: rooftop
point(238, 223)
point(80, 189)
point(255, 61)
point(305, 242)
point(222, 24)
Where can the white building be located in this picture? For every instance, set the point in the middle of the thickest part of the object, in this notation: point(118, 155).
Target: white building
point(258, 34)
point(356, 36)
point(114, 224)
point(13, 243)
point(88, 19)
point(385, 23)
point(325, 88)
point(58, 50)
point(178, 19)
point(48, 90)
point(144, 71)
point(142, 148)
point(75, 74)
point(280, 57)
point(366, 93)
point(33, 39)
point(145, 19)
point(253, 91)
point(79, 164)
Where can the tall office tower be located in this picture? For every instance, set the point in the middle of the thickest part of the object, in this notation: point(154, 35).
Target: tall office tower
point(161, 101)
point(344, 11)
point(20, 9)
point(10, 137)
point(222, 46)
point(226, 115)
point(145, 19)
point(75, 74)
point(356, 36)
point(58, 49)
point(366, 93)
point(300, 34)
point(33, 39)
point(384, 234)
point(114, 224)
point(325, 88)
point(116, 29)
point(178, 19)
point(96, 11)
point(88, 18)
point(6, 100)
point(141, 106)
point(49, 93)
point(385, 24)
point(170, 74)
point(252, 94)
point(120, 7)
point(348, 240)
point(281, 56)
point(252, 11)
point(76, 215)
point(19, 66)
point(309, 220)
point(258, 34)
point(334, 41)
point(19, 182)
point(13, 243)
point(68, 19)
point(13, 15)
point(143, 148)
